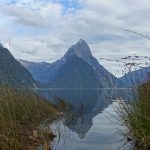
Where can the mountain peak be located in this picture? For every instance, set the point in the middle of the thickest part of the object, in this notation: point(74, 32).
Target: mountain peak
point(81, 41)
point(80, 49)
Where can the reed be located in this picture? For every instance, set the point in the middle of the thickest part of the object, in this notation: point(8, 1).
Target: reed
point(21, 113)
point(135, 115)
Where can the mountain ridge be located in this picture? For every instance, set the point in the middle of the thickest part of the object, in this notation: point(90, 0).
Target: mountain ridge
point(137, 77)
point(12, 73)
point(82, 51)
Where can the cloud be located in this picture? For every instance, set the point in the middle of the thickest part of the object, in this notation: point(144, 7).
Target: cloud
point(38, 15)
point(47, 28)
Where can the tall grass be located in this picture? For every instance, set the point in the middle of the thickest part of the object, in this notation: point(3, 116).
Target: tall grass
point(21, 112)
point(135, 116)
point(135, 113)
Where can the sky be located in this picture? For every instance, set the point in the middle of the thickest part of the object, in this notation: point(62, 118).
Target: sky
point(43, 30)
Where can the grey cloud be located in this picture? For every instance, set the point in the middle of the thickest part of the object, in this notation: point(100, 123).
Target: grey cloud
point(33, 13)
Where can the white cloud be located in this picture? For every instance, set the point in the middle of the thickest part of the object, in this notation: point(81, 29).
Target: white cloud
point(47, 28)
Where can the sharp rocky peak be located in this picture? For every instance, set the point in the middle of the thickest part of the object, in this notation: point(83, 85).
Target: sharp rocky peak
point(81, 42)
point(80, 49)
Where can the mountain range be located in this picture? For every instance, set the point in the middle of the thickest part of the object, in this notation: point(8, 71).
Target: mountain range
point(76, 69)
point(136, 78)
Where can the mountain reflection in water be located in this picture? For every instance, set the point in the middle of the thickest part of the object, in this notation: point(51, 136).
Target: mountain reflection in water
point(88, 128)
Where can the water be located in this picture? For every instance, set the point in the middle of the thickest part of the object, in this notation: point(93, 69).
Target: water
point(93, 125)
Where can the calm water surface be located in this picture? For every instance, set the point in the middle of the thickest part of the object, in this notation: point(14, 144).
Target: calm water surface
point(93, 125)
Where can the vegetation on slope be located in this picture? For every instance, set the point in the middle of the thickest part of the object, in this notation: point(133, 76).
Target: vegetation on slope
point(21, 113)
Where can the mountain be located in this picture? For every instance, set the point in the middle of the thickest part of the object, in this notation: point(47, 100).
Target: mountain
point(40, 71)
point(76, 69)
point(137, 77)
point(12, 72)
